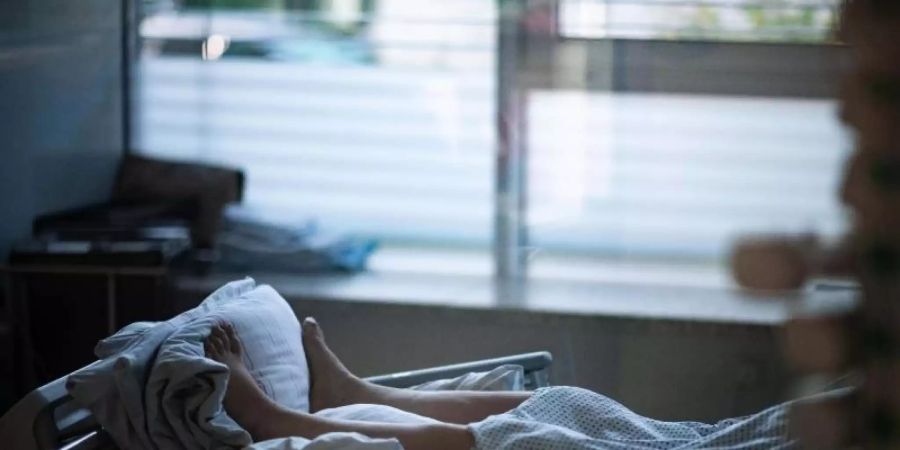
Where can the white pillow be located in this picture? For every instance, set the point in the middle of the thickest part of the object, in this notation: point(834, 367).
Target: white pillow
point(508, 377)
point(273, 353)
point(273, 350)
point(270, 334)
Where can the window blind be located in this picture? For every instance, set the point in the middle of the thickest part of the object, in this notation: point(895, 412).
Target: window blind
point(397, 145)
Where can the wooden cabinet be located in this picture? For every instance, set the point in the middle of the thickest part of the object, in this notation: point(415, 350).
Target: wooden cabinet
point(59, 313)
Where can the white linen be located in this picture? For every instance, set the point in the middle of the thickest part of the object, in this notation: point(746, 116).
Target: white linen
point(507, 377)
point(330, 441)
point(154, 388)
point(374, 413)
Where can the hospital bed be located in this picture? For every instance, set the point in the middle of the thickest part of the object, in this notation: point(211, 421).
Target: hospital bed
point(56, 423)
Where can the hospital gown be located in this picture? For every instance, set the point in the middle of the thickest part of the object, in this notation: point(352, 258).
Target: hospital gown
point(568, 418)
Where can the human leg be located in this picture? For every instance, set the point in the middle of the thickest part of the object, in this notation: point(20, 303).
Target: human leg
point(333, 385)
point(249, 406)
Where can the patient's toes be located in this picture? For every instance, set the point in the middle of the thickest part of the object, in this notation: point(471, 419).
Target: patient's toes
point(219, 341)
point(211, 348)
point(311, 329)
point(331, 384)
point(234, 343)
point(222, 342)
point(219, 332)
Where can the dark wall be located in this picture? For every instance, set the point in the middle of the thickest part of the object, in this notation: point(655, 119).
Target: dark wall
point(61, 107)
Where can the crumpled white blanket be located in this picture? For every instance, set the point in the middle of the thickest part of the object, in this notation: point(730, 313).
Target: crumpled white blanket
point(145, 405)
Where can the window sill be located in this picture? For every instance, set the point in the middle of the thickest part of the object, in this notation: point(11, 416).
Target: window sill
point(552, 266)
point(470, 287)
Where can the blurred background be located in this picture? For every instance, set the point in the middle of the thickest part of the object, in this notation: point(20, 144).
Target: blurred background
point(460, 179)
point(651, 132)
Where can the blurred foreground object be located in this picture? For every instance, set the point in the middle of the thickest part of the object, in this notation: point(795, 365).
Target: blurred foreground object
point(865, 341)
point(248, 242)
point(783, 262)
point(775, 262)
point(209, 188)
point(871, 106)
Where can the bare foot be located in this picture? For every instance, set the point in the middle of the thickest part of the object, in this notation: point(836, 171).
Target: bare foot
point(331, 384)
point(244, 400)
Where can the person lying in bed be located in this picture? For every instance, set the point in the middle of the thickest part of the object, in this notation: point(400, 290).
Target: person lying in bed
point(556, 417)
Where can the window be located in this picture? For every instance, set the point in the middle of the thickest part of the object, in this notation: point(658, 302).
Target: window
point(653, 132)
point(722, 20)
point(369, 117)
point(692, 123)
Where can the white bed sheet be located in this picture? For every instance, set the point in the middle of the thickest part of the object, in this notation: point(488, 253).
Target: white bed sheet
point(508, 377)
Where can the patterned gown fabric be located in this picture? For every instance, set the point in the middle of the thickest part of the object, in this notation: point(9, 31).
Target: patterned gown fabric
point(568, 418)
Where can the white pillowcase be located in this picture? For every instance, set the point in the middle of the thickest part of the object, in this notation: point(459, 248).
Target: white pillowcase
point(273, 353)
point(268, 330)
point(271, 336)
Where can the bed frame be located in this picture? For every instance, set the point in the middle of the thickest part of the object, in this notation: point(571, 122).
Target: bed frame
point(47, 419)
